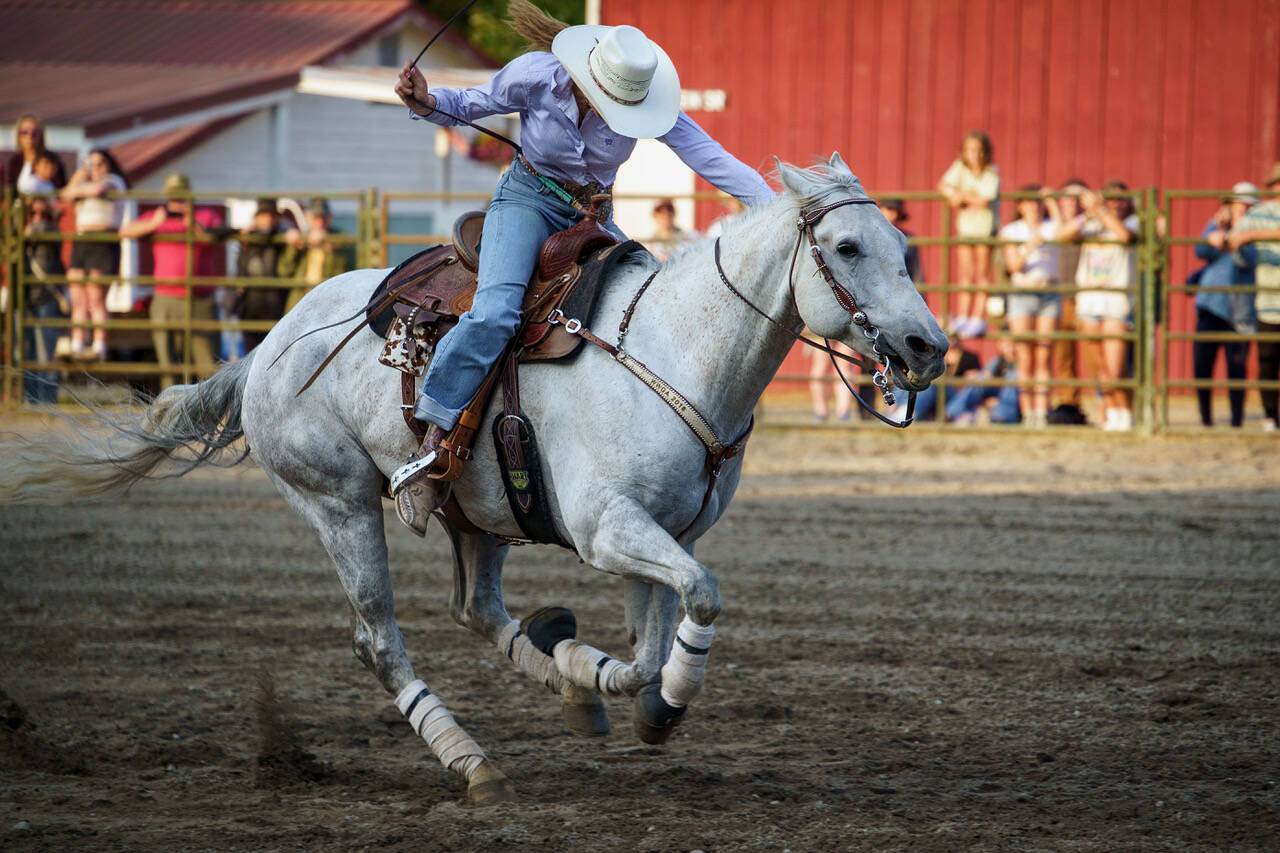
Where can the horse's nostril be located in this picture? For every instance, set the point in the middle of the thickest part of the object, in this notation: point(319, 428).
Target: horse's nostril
point(919, 345)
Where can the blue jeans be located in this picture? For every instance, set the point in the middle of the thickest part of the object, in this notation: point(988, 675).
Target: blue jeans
point(966, 400)
point(522, 215)
point(41, 387)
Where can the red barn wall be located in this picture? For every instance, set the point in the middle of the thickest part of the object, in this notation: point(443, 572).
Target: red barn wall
point(1166, 93)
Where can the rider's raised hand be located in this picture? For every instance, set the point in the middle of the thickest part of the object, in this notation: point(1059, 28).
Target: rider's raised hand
point(411, 88)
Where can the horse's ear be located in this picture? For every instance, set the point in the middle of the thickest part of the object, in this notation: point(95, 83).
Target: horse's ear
point(794, 179)
point(837, 162)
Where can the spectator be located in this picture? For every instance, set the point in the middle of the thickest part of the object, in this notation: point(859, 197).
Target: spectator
point(45, 301)
point(313, 259)
point(44, 173)
point(1215, 311)
point(667, 236)
point(1032, 263)
point(29, 145)
point(1108, 265)
point(169, 305)
point(1260, 228)
point(95, 189)
point(1064, 351)
point(259, 257)
point(1002, 400)
point(972, 187)
point(896, 212)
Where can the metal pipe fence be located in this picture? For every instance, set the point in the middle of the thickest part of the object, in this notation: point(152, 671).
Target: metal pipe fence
point(1152, 337)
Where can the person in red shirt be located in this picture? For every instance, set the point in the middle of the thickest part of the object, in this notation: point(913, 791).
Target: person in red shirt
point(169, 306)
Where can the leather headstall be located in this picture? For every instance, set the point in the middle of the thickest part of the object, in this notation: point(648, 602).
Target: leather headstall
point(847, 301)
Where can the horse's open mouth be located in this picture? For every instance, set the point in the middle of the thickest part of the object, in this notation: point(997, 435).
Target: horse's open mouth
point(903, 376)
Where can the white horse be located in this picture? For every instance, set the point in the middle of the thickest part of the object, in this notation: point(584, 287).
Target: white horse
point(625, 475)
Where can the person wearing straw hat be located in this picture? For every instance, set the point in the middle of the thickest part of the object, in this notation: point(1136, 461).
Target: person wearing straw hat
point(584, 95)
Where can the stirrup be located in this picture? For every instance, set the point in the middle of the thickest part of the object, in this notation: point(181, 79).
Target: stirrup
point(407, 472)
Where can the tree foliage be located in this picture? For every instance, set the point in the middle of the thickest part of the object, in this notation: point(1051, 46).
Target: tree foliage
point(484, 24)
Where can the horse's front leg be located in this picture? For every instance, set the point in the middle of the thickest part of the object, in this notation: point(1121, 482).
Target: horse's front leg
point(627, 541)
point(477, 605)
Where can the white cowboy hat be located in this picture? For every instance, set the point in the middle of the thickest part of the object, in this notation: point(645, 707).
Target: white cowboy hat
point(630, 81)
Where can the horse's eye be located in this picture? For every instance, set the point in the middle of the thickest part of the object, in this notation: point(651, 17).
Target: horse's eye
point(847, 249)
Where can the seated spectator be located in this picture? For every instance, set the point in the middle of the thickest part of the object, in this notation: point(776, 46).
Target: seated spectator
point(45, 301)
point(314, 258)
point(95, 189)
point(20, 171)
point(1032, 263)
point(259, 257)
point(1001, 400)
point(169, 305)
point(667, 237)
point(1260, 228)
point(1109, 266)
point(1216, 311)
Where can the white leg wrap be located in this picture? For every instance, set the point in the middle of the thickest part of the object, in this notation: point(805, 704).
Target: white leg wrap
point(590, 668)
point(528, 658)
point(432, 720)
point(686, 669)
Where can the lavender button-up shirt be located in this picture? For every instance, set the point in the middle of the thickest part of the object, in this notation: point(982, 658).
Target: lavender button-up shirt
point(539, 89)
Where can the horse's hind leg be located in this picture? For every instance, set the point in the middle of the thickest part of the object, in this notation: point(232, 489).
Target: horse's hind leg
point(477, 605)
point(351, 530)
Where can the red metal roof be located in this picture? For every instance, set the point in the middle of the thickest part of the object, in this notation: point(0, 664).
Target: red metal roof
point(109, 64)
point(223, 33)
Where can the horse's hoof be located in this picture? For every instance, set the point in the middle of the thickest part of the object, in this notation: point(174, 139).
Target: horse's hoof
point(489, 786)
point(584, 712)
point(655, 720)
point(547, 626)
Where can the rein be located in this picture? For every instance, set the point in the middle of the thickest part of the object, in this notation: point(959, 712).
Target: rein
point(804, 225)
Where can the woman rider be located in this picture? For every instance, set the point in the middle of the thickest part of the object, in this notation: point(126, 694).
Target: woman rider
point(584, 95)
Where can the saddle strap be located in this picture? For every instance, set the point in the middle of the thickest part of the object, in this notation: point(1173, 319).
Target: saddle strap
point(408, 399)
point(684, 409)
point(718, 452)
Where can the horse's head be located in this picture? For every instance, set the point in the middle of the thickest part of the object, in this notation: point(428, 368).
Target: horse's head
point(865, 255)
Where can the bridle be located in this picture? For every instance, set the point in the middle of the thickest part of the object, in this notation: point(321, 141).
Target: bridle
point(846, 300)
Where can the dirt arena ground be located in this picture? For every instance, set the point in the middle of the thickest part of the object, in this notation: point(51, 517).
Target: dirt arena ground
point(930, 642)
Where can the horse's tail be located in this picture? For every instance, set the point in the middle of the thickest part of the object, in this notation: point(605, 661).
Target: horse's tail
point(189, 424)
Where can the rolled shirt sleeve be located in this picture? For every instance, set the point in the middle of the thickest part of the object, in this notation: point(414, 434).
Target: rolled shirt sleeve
point(718, 167)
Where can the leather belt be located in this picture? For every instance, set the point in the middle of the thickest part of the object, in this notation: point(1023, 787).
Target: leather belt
point(578, 195)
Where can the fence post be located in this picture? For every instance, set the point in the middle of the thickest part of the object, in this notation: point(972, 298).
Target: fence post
point(8, 279)
point(376, 255)
point(1162, 384)
point(1146, 313)
point(944, 275)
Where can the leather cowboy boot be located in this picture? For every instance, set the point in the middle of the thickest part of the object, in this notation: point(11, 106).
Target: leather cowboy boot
point(416, 495)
